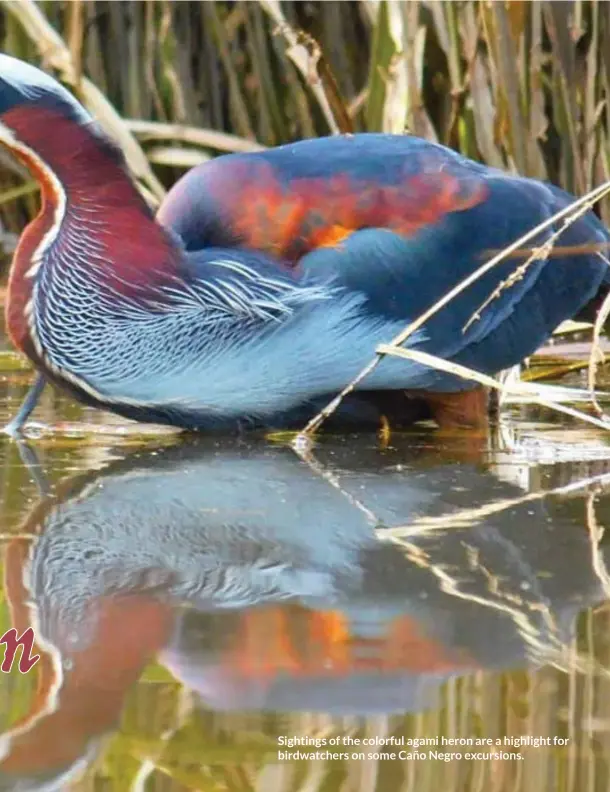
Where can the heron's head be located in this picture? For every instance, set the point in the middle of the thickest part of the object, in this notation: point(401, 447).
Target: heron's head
point(29, 97)
point(45, 127)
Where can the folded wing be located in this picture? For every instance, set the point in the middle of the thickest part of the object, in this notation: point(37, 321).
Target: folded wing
point(400, 221)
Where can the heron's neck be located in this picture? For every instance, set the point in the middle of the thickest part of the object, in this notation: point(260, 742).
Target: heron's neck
point(74, 159)
point(88, 200)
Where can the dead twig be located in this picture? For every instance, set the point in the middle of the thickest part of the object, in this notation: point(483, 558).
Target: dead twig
point(306, 60)
point(597, 355)
point(207, 138)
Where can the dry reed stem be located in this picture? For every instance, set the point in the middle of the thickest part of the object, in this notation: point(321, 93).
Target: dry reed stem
point(302, 59)
point(578, 207)
point(18, 192)
point(560, 252)
point(597, 353)
point(538, 254)
point(207, 138)
point(185, 158)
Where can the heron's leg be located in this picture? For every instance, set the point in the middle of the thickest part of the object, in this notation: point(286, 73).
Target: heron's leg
point(31, 462)
point(14, 427)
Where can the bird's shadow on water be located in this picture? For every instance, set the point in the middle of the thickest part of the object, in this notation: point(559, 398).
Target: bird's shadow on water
point(348, 579)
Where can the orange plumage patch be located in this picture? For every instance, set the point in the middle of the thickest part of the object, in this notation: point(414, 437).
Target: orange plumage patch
point(289, 218)
point(332, 236)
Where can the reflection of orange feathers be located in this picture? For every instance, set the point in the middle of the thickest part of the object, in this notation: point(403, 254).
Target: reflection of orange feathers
point(72, 708)
point(297, 642)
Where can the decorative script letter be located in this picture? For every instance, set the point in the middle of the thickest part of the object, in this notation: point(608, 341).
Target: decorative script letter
point(26, 642)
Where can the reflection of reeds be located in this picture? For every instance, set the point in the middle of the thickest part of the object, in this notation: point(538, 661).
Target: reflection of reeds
point(164, 742)
point(226, 751)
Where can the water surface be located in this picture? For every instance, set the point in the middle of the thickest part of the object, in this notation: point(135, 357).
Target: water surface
point(198, 604)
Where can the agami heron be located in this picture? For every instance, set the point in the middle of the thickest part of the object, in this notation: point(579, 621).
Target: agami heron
point(267, 280)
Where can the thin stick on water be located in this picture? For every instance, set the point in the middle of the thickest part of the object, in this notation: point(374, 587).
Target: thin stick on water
point(307, 457)
point(527, 388)
point(573, 212)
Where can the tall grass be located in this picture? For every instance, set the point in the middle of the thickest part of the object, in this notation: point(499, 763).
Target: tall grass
point(521, 85)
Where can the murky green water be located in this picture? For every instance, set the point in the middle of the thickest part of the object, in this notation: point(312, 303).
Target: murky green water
point(204, 609)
